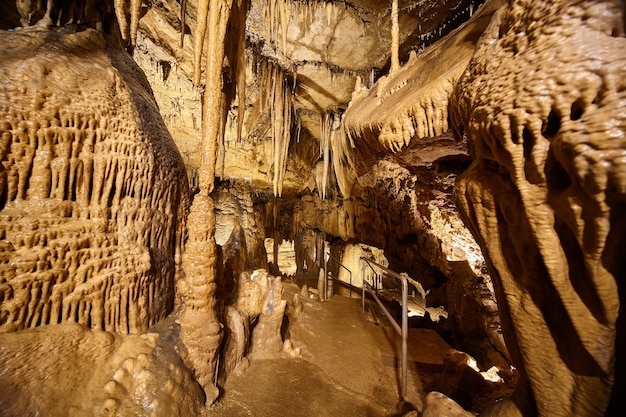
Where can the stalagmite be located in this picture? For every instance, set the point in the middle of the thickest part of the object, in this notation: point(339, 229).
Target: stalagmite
point(200, 329)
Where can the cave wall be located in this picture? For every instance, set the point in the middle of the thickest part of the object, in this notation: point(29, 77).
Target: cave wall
point(92, 207)
point(84, 179)
point(545, 196)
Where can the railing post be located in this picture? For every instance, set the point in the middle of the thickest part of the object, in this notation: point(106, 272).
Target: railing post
point(405, 331)
point(363, 285)
point(325, 270)
point(350, 272)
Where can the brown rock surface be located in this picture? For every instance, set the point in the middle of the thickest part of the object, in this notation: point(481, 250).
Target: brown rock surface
point(545, 193)
point(93, 195)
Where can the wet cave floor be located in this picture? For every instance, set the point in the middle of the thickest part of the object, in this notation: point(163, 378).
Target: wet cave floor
point(349, 366)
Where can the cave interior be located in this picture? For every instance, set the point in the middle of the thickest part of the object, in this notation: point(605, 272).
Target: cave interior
point(198, 199)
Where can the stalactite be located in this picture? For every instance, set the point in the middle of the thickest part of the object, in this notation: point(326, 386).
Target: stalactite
point(183, 18)
point(222, 131)
point(240, 63)
point(135, 12)
point(329, 11)
point(120, 12)
point(241, 94)
point(284, 22)
point(326, 122)
point(278, 99)
point(343, 160)
point(211, 109)
point(198, 44)
point(395, 61)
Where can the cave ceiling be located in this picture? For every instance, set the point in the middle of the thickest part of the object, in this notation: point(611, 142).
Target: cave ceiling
point(325, 52)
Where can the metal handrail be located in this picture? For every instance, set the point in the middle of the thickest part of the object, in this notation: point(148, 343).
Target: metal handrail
point(404, 330)
point(344, 267)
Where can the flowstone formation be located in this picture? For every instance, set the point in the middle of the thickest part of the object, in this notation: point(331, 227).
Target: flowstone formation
point(70, 370)
point(92, 196)
point(542, 103)
point(92, 219)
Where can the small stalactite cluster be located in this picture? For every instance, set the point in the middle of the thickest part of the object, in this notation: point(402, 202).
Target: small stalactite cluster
point(224, 20)
point(336, 157)
point(343, 160)
point(89, 201)
point(412, 102)
point(277, 99)
point(125, 9)
point(276, 15)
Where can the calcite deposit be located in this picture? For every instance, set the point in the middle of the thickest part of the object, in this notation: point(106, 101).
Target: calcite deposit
point(545, 194)
point(93, 196)
point(134, 281)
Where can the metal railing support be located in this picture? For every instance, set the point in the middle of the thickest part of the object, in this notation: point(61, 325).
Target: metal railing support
point(363, 286)
point(405, 334)
point(344, 267)
point(403, 330)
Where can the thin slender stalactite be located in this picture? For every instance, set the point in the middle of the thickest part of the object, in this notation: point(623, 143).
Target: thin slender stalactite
point(395, 60)
point(219, 15)
point(122, 21)
point(135, 13)
point(183, 18)
point(198, 44)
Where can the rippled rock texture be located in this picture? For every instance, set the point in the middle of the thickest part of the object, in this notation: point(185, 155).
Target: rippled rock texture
point(542, 102)
point(92, 189)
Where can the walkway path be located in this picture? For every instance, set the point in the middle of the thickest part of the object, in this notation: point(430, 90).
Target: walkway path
point(348, 367)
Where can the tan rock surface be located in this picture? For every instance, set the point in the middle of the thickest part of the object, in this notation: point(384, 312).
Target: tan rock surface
point(93, 201)
point(93, 196)
point(544, 195)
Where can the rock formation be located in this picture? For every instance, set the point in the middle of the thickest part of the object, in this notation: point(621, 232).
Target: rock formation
point(93, 197)
point(545, 195)
point(297, 121)
point(92, 221)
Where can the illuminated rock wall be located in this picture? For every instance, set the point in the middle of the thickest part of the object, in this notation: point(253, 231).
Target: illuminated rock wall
point(92, 196)
point(542, 101)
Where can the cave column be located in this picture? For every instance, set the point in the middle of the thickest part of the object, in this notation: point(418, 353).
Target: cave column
point(201, 331)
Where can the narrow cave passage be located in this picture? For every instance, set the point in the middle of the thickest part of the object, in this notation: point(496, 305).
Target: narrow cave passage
point(325, 327)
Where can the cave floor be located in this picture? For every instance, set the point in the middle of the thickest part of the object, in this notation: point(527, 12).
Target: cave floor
point(349, 366)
